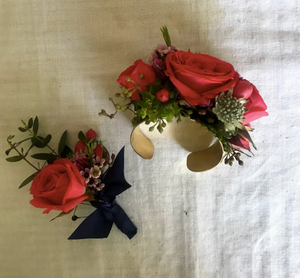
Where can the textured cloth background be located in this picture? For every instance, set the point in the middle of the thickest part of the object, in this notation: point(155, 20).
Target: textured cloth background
point(60, 59)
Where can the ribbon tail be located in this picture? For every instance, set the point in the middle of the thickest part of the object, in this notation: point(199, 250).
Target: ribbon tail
point(123, 222)
point(94, 226)
point(114, 180)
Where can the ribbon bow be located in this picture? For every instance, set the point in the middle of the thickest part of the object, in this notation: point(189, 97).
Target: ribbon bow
point(99, 223)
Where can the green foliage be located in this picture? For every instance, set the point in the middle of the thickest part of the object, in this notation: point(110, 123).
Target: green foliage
point(7, 152)
point(166, 35)
point(36, 125)
point(82, 137)
point(37, 141)
point(30, 123)
point(43, 156)
point(47, 139)
point(62, 142)
point(28, 180)
point(14, 158)
point(150, 109)
point(67, 152)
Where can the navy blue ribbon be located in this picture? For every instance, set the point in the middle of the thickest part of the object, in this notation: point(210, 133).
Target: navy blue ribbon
point(99, 223)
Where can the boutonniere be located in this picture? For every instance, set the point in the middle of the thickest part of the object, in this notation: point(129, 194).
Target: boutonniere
point(66, 178)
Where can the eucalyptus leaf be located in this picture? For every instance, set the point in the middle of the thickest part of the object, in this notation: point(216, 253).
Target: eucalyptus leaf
point(42, 156)
point(82, 137)
point(30, 123)
point(22, 129)
point(47, 139)
point(62, 142)
point(61, 214)
point(8, 151)
point(14, 158)
point(36, 125)
point(66, 152)
point(28, 180)
point(51, 159)
point(38, 141)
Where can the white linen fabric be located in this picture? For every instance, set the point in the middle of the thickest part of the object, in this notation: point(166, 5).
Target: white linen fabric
point(60, 59)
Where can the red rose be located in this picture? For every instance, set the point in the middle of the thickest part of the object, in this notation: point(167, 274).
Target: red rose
point(199, 77)
point(134, 73)
point(58, 186)
point(255, 104)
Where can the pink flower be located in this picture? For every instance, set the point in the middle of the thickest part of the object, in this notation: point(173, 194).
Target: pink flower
point(95, 171)
point(163, 50)
point(255, 103)
point(239, 142)
point(86, 175)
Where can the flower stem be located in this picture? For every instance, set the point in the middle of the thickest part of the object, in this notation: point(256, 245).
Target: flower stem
point(13, 147)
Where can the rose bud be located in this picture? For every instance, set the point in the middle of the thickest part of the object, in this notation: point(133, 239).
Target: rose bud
point(134, 73)
point(91, 134)
point(80, 146)
point(240, 142)
point(99, 151)
point(163, 95)
point(256, 107)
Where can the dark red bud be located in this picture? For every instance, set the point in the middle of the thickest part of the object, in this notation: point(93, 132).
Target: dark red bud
point(80, 146)
point(98, 151)
point(91, 134)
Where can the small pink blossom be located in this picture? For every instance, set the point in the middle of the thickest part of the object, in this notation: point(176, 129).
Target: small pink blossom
point(164, 50)
point(95, 171)
point(100, 186)
point(86, 175)
point(98, 161)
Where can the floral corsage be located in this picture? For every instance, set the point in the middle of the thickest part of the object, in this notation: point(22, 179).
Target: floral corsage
point(207, 90)
point(88, 175)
